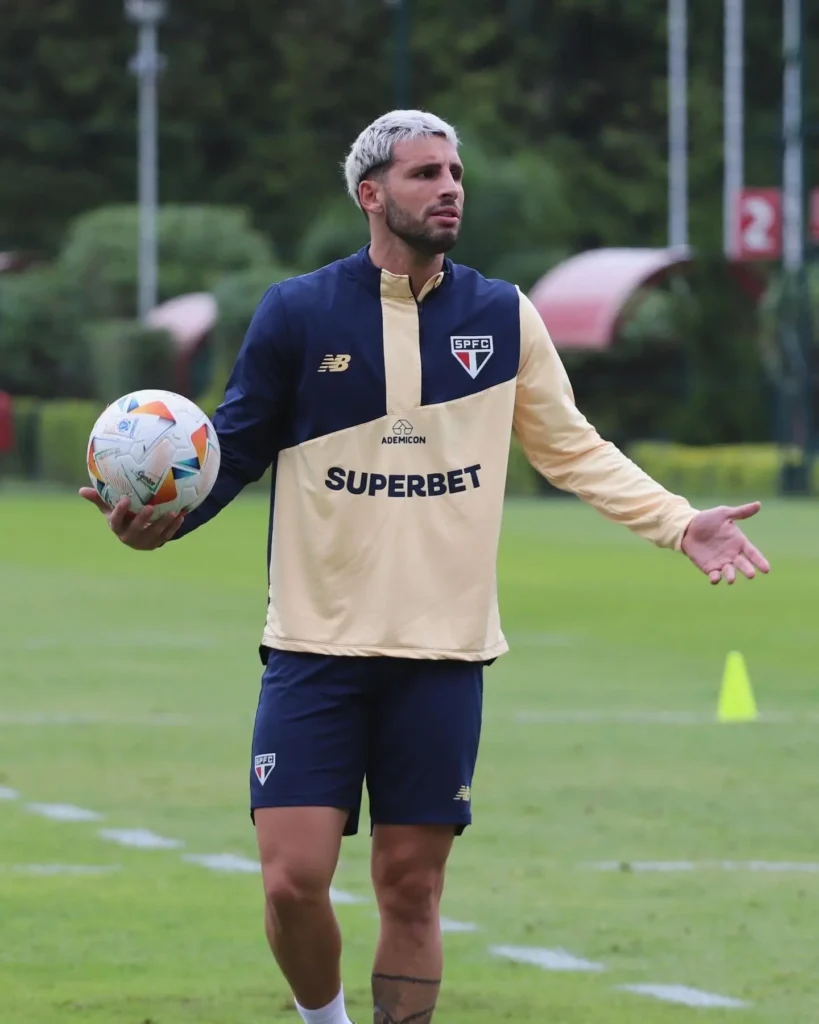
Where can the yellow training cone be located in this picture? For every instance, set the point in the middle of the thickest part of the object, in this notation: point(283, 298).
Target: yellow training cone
point(736, 699)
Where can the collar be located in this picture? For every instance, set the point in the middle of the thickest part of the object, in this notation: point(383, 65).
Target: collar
point(396, 286)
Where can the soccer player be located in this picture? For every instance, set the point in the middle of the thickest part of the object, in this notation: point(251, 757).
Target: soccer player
point(383, 390)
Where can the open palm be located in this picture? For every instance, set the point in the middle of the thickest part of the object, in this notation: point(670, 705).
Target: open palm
point(717, 546)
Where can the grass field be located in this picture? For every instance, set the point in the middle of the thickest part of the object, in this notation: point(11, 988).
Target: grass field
point(128, 684)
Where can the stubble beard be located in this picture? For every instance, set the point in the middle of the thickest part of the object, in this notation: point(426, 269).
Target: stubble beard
point(424, 240)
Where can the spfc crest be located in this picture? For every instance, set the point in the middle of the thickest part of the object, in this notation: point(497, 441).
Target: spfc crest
point(263, 766)
point(472, 352)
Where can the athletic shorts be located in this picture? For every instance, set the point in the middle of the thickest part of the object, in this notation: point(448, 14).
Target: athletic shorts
point(408, 728)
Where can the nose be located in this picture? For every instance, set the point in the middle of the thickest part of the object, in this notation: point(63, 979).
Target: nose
point(449, 188)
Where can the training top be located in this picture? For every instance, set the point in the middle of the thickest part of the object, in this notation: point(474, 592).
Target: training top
point(387, 422)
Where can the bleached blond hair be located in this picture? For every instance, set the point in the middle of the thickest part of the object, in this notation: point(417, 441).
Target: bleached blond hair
point(373, 149)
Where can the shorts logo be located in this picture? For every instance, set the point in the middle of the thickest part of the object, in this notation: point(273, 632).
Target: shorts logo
point(473, 352)
point(263, 766)
point(464, 793)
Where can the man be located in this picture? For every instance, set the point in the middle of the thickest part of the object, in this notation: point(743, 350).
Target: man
point(384, 389)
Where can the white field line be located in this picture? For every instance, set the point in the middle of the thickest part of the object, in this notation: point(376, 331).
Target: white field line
point(682, 995)
point(63, 812)
point(457, 927)
point(63, 869)
point(547, 959)
point(637, 717)
point(672, 866)
point(140, 838)
point(228, 863)
point(42, 718)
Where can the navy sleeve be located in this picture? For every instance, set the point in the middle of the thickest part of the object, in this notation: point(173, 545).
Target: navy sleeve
point(251, 420)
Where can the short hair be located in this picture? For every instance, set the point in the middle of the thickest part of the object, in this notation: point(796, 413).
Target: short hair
point(373, 149)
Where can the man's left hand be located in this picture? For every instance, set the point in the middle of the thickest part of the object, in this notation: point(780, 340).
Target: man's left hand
point(719, 548)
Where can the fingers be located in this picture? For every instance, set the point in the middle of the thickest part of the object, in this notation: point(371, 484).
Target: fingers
point(175, 520)
point(756, 556)
point(117, 519)
point(715, 576)
point(90, 494)
point(745, 567)
point(745, 511)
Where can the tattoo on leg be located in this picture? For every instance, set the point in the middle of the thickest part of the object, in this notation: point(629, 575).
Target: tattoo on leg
point(395, 994)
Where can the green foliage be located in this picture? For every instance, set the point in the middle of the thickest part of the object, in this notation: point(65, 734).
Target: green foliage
point(42, 350)
point(65, 427)
point(126, 355)
point(197, 245)
point(745, 471)
point(339, 229)
point(521, 479)
point(237, 297)
point(22, 462)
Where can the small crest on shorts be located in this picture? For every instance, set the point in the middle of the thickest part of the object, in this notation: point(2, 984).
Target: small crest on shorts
point(263, 766)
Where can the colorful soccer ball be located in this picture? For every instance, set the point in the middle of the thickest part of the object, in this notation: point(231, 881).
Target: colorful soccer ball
point(156, 448)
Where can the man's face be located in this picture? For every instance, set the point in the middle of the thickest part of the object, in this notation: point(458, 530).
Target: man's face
point(421, 195)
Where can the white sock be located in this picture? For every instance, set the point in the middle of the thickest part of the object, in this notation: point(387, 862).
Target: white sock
point(333, 1013)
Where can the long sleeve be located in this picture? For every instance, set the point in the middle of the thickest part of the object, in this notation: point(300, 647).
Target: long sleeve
point(566, 449)
point(250, 420)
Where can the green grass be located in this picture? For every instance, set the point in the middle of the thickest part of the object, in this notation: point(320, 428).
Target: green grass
point(598, 621)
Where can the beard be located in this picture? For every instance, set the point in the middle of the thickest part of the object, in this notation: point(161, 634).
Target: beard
point(425, 240)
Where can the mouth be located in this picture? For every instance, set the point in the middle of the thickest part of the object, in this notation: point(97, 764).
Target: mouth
point(448, 216)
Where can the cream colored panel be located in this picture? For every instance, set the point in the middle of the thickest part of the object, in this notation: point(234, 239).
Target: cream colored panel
point(402, 343)
point(408, 567)
point(563, 446)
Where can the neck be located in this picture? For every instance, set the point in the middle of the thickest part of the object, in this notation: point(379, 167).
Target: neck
point(396, 257)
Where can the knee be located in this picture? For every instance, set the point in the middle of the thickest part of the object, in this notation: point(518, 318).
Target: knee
point(409, 894)
point(289, 888)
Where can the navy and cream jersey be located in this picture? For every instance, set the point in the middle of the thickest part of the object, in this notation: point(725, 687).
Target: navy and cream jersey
point(387, 422)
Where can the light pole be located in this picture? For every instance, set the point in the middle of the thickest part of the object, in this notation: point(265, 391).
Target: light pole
point(795, 327)
point(401, 52)
point(147, 65)
point(733, 120)
point(677, 123)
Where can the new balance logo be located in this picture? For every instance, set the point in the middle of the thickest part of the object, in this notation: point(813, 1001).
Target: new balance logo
point(464, 793)
point(334, 364)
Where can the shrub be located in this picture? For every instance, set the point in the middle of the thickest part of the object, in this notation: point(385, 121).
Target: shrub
point(736, 472)
point(22, 462)
point(196, 245)
point(42, 350)
point(125, 355)
point(65, 427)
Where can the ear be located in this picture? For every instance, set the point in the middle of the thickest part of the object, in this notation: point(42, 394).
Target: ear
point(370, 196)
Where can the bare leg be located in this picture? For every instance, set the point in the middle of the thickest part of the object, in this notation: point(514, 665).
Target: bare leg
point(408, 865)
point(299, 848)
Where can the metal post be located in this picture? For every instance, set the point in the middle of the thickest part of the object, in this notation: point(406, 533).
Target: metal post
point(733, 120)
point(147, 65)
point(677, 123)
point(401, 52)
point(793, 189)
point(795, 331)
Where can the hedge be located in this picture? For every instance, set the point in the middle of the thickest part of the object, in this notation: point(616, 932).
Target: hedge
point(745, 471)
point(127, 356)
point(65, 427)
point(51, 439)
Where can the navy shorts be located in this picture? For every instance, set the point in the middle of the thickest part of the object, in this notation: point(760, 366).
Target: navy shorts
point(409, 728)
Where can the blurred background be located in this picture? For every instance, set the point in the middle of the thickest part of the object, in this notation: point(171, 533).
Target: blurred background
point(644, 170)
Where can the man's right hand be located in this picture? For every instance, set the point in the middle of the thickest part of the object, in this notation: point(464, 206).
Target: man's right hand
point(137, 531)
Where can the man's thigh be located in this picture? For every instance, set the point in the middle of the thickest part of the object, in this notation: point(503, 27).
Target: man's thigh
point(310, 734)
point(424, 734)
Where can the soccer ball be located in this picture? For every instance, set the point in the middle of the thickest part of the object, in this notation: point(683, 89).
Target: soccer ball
point(158, 449)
